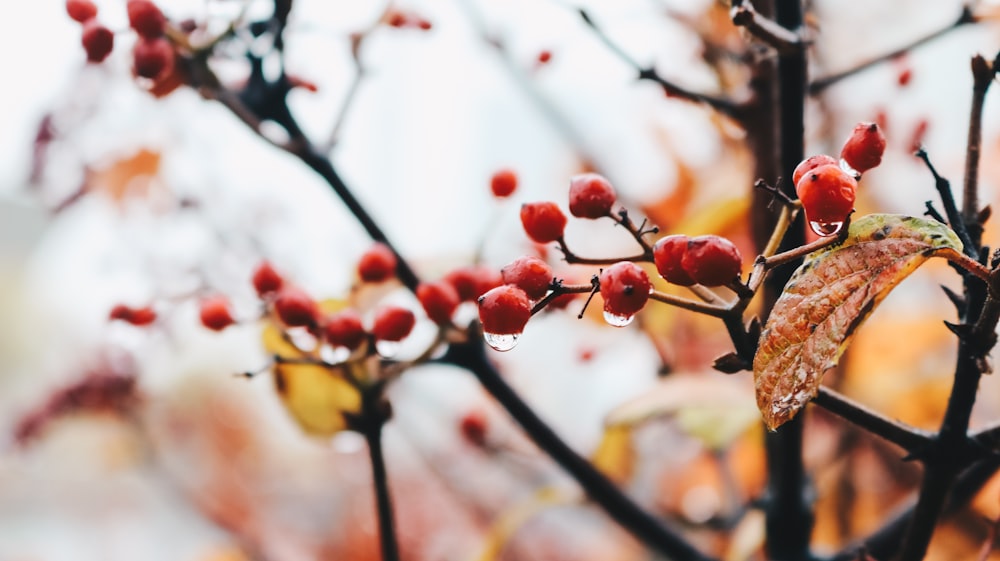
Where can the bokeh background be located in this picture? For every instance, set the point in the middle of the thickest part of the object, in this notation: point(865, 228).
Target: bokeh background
point(136, 199)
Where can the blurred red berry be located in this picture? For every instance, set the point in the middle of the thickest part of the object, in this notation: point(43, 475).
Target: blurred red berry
point(295, 308)
point(864, 149)
point(530, 274)
point(98, 41)
point(152, 58)
point(393, 323)
point(544, 57)
point(811, 163)
point(266, 280)
point(81, 10)
point(473, 427)
point(136, 316)
point(543, 221)
point(712, 260)
point(625, 288)
point(378, 264)
point(472, 282)
point(503, 183)
point(344, 329)
point(146, 18)
point(504, 310)
point(215, 313)
point(439, 300)
point(668, 254)
point(590, 196)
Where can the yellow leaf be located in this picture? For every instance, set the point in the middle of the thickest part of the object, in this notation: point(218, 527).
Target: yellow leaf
point(510, 521)
point(828, 298)
point(615, 455)
point(317, 397)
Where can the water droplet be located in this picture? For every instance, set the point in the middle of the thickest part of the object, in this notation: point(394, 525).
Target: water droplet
point(501, 341)
point(849, 170)
point(825, 229)
point(617, 320)
point(388, 349)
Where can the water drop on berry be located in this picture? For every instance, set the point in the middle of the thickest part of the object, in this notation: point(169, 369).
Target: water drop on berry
point(617, 320)
point(501, 341)
point(825, 229)
point(387, 349)
point(849, 170)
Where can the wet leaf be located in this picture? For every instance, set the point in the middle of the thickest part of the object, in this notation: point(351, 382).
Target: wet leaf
point(828, 298)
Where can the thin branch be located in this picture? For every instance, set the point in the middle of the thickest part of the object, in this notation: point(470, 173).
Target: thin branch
point(982, 75)
point(714, 310)
point(819, 85)
point(598, 487)
point(767, 30)
point(909, 438)
point(722, 105)
point(374, 415)
point(955, 219)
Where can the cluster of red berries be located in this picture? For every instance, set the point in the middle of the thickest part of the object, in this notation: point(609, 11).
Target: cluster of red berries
point(153, 55)
point(827, 189)
point(98, 41)
point(624, 286)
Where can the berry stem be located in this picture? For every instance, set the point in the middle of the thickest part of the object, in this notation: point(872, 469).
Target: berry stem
point(558, 290)
point(692, 305)
point(574, 259)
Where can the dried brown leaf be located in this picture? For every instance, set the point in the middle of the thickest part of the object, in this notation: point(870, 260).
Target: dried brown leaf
point(828, 298)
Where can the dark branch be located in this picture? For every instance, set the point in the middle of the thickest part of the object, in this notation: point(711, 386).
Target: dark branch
point(781, 39)
point(818, 86)
point(909, 438)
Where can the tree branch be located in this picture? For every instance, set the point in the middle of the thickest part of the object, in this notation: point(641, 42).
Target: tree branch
point(780, 38)
point(373, 417)
point(817, 86)
point(906, 437)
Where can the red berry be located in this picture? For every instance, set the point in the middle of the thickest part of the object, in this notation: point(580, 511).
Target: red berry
point(530, 274)
point(393, 323)
point(504, 310)
point(544, 57)
point(424, 25)
point(295, 308)
point(473, 427)
point(809, 164)
point(153, 58)
point(904, 77)
point(266, 279)
point(503, 183)
point(473, 282)
point(344, 329)
point(827, 194)
point(590, 196)
point(81, 10)
point(378, 264)
point(146, 18)
point(864, 149)
point(439, 300)
point(625, 288)
point(543, 222)
point(136, 316)
point(712, 260)
point(97, 40)
point(668, 253)
point(214, 313)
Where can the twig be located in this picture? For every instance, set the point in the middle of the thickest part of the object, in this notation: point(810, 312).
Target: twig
point(767, 30)
point(714, 310)
point(598, 487)
point(723, 105)
point(909, 438)
point(819, 85)
point(955, 219)
point(982, 75)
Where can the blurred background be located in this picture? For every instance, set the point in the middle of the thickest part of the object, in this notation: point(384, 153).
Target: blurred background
point(119, 442)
